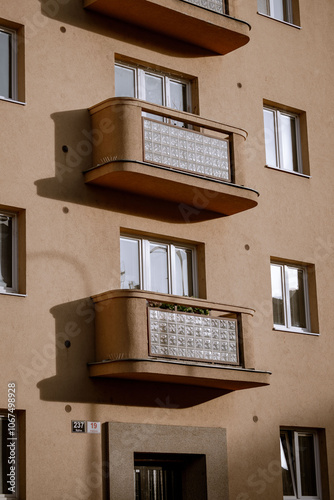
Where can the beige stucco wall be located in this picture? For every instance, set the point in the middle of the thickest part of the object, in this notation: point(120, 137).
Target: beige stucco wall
point(72, 242)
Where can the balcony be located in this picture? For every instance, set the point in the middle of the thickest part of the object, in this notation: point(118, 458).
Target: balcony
point(137, 339)
point(202, 23)
point(196, 167)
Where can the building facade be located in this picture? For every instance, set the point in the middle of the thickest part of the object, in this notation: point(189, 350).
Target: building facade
point(166, 251)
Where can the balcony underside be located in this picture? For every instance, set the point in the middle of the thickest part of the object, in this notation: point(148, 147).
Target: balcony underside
point(183, 21)
point(218, 377)
point(178, 187)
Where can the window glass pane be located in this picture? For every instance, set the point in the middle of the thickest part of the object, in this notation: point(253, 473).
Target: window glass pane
point(262, 6)
point(270, 137)
point(130, 267)
point(276, 9)
point(183, 281)
point(277, 294)
point(5, 65)
point(288, 145)
point(288, 472)
point(178, 96)
point(124, 82)
point(154, 89)
point(297, 297)
point(159, 268)
point(6, 252)
point(307, 465)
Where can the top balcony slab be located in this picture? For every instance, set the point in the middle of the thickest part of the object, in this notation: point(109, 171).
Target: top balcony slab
point(178, 19)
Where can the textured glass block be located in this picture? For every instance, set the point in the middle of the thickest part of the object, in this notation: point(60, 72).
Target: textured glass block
point(190, 342)
point(171, 328)
point(172, 351)
point(186, 150)
point(191, 336)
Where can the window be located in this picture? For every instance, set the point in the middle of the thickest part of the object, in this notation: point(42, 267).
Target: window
point(278, 9)
point(282, 140)
point(158, 266)
point(9, 455)
point(8, 62)
point(151, 86)
point(289, 288)
point(300, 464)
point(8, 252)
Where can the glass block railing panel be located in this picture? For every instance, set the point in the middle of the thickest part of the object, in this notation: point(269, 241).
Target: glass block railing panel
point(214, 5)
point(186, 150)
point(193, 337)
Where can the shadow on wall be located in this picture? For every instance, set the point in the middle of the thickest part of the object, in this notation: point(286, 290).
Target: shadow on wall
point(73, 348)
point(71, 12)
point(73, 155)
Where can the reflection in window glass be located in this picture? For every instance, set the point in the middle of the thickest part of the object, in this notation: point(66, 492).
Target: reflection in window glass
point(159, 268)
point(307, 465)
point(6, 252)
point(183, 265)
point(270, 138)
point(288, 143)
point(287, 464)
point(178, 96)
point(5, 65)
point(124, 82)
point(277, 10)
point(297, 297)
point(277, 294)
point(130, 269)
point(154, 89)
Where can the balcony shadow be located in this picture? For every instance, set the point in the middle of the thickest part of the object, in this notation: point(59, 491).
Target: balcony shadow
point(74, 349)
point(71, 12)
point(74, 156)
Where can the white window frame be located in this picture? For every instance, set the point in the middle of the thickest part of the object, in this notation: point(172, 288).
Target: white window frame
point(14, 287)
point(144, 262)
point(140, 91)
point(269, 9)
point(286, 299)
point(279, 140)
point(12, 496)
point(296, 479)
point(12, 70)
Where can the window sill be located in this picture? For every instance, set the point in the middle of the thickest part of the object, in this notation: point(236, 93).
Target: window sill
point(289, 172)
point(15, 102)
point(280, 21)
point(292, 330)
point(15, 295)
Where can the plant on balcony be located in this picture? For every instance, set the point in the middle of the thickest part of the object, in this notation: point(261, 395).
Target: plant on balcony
point(171, 307)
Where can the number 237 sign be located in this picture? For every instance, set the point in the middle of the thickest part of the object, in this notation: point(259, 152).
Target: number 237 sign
point(81, 426)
